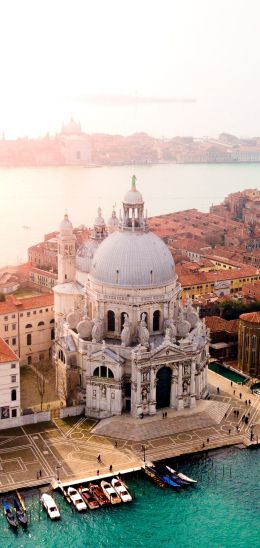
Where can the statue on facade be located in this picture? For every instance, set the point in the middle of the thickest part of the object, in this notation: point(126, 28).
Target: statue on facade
point(98, 330)
point(183, 326)
point(143, 333)
point(172, 331)
point(191, 315)
point(73, 318)
point(126, 332)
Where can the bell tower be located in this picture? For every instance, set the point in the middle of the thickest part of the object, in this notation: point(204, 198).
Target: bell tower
point(66, 251)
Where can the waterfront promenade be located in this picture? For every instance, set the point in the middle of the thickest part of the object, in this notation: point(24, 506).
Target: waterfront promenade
point(68, 449)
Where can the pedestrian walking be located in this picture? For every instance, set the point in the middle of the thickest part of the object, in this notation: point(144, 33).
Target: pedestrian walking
point(218, 389)
point(207, 440)
point(235, 411)
point(234, 392)
point(99, 458)
point(115, 444)
point(231, 383)
point(249, 401)
point(40, 473)
point(110, 468)
point(246, 402)
point(165, 414)
point(225, 415)
point(97, 472)
point(240, 395)
point(229, 432)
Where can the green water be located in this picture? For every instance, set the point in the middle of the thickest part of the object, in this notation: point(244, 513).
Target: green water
point(228, 373)
point(221, 511)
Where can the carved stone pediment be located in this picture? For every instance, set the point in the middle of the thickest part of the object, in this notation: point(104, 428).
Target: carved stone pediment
point(107, 356)
point(167, 352)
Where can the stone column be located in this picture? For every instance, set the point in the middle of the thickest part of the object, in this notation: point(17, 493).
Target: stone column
point(152, 399)
point(174, 385)
point(192, 385)
point(180, 397)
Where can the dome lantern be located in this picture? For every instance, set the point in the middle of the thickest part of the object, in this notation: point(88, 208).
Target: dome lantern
point(133, 210)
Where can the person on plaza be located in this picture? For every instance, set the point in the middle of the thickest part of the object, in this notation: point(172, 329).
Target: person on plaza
point(165, 414)
point(240, 395)
point(218, 390)
point(110, 468)
point(234, 392)
point(249, 401)
point(115, 444)
point(231, 383)
point(99, 458)
point(97, 472)
point(246, 402)
point(229, 432)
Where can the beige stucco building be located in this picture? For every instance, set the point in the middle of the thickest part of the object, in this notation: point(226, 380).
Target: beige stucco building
point(9, 382)
point(249, 343)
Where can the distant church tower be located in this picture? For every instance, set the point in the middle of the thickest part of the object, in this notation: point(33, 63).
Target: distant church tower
point(66, 252)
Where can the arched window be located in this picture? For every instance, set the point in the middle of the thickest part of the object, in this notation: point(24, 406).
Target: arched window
point(156, 320)
point(52, 321)
point(103, 372)
point(29, 339)
point(13, 395)
point(40, 323)
point(28, 326)
point(111, 320)
point(123, 319)
point(52, 334)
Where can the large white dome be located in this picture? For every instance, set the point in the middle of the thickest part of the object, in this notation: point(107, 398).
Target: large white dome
point(132, 259)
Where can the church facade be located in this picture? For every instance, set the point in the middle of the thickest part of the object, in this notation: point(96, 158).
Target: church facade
point(121, 329)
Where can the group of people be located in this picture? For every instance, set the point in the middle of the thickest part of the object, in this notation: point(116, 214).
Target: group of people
point(99, 460)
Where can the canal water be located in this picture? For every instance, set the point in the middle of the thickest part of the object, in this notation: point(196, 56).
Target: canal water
point(221, 511)
point(227, 373)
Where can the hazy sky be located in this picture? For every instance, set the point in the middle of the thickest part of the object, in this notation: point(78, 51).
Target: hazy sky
point(56, 52)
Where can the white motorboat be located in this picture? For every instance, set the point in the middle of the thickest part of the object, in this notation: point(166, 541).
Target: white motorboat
point(181, 476)
point(121, 490)
point(50, 506)
point(77, 499)
point(110, 492)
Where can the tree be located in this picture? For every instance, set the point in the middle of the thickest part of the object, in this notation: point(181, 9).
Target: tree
point(41, 371)
point(68, 383)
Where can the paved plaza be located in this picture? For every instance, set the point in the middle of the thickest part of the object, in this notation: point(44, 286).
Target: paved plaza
point(68, 449)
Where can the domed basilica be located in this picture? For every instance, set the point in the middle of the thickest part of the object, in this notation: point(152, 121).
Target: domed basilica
point(122, 335)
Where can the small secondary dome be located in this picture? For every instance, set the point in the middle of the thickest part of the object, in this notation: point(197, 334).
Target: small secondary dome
point(132, 259)
point(85, 255)
point(66, 225)
point(133, 196)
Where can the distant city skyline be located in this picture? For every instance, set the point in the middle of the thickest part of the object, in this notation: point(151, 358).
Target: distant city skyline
point(56, 53)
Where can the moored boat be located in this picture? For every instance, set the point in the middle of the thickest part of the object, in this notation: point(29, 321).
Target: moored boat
point(77, 499)
point(10, 516)
point(121, 490)
point(50, 506)
point(98, 494)
point(88, 498)
point(20, 513)
point(181, 476)
point(110, 492)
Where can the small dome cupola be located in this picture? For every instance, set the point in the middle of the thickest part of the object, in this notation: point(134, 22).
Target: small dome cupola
point(66, 227)
point(99, 231)
point(113, 222)
point(133, 210)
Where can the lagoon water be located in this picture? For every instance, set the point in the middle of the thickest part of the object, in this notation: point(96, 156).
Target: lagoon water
point(222, 511)
point(37, 197)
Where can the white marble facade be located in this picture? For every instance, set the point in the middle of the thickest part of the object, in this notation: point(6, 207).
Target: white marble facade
point(120, 324)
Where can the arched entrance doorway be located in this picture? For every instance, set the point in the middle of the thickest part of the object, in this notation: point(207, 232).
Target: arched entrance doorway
point(163, 387)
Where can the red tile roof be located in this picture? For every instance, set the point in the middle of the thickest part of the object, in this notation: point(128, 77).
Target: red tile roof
point(217, 276)
point(16, 305)
point(215, 323)
point(252, 317)
point(6, 354)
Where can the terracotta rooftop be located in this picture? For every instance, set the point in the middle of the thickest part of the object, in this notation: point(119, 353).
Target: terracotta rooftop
point(215, 323)
point(217, 276)
point(16, 305)
point(6, 354)
point(252, 317)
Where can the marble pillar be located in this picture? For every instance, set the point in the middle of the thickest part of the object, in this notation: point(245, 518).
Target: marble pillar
point(180, 396)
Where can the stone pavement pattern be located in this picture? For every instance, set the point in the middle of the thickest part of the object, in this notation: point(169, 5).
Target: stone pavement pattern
point(68, 448)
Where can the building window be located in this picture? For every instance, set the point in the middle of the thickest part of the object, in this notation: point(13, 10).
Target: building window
point(34, 312)
point(7, 341)
point(13, 316)
point(14, 413)
point(13, 394)
point(29, 339)
point(29, 360)
point(28, 326)
point(21, 315)
point(13, 326)
point(104, 372)
point(40, 311)
point(156, 320)
point(111, 320)
point(40, 324)
point(13, 366)
point(52, 334)
point(13, 341)
point(28, 313)
point(6, 327)
point(123, 314)
point(46, 310)
point(13, 378)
